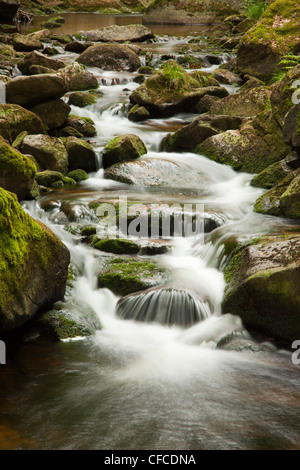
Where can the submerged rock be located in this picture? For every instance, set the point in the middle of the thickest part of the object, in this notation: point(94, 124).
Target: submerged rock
point(263, 286)
point(33, 268)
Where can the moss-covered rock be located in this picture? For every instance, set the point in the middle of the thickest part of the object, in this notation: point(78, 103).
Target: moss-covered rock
point(116, 33)
point(53, 179)
point(14, 119)
point(49, 151)
point(274, 173)
point(284, 93)
point(82, 99)
point(26, 43)
point(38, 59)
point(121, 148)
point(171, 90)
point(33, 265)
point(138, 113)
point(283, 199)
point(78, 175)
point(110, 57)
point(58, 325)
point(17, 172)
point(81, 154)
point(247, 103)
point(117, 246)
point(53, 113)
point(263, 286)
point(227, 77)
point(84, 125)
point(276, 34)
point(124, 276)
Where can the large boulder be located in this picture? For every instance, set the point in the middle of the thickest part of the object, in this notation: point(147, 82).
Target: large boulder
point(263, 281)
point(29, 91)
point(123, 147)
point(283, 199)
point(116, 57)
point(53, 113)
point(8, 9)
point(30, 42)
point(275, 35)
point(37, 58)
point(17, 172)
point(49, 151)
point(285, 95)
point(81, 154)
point(115, 33)
point(77, 78)
point(14, 119)
point(171, 90)
point(33, 268)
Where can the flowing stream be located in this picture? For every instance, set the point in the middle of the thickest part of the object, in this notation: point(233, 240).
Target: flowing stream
point(139, 385)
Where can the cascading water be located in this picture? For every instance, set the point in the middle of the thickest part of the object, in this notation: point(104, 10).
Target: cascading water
point(145, 384)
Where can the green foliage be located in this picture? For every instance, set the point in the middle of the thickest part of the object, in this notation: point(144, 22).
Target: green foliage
point(255, 8)
point(286, 63)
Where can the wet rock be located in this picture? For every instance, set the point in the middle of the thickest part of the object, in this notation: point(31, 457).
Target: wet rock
point(80, 154)
point(77, 47)
point(291, 127)
point(115, 33)
point(110, 57)
point(117, 246)
point(227, 77)
point(274, 36)
point(84, 125)
point(35, 89)
point(78, 175)
point(34, 265)
point(30, 42)
point(82, 99)
point(171, 90)
point(17, 172)
point(15, 119)
point(37, 58)
point(124, 276)
point(205, 103)
point(284, 93)
point(262, 286)
point(76, 78)
point(39, 70)
point(276, 172)
point(124, 147)
point(49, 151)
point(283, 199)
point(252, 82)
point(53, 113)
point(53, 179)
point(138, 113)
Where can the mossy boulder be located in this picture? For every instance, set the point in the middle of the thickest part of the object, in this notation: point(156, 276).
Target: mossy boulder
point(190, 136)
point(78, 175)
point(117, 246)
point(274, 173)
point(275, 35)
point(53, 179)
point(263, 286)
point(138, 113)
point(33, 265)
point(49, 151)
point(110, 57)
point(34, 89)
point(291, 127)
point(245, 150)
point(81, 154)
point(171, 90)
point(284, 95)
point(82, 99)
point(247, 103)
point(39, 70)
point(77, 78)
point(86, 126)
point(124, 276)
point(14, 119)
point(58, 325)
point(26, 43)
point(116, 33)
point(121, 148)
point(38, 59)
point(227, 77)
point(283, 199)
point(77, 47)
point(17, 172)
point(53, 113)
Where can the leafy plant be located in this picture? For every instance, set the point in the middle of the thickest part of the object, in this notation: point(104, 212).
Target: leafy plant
point(287, 63)
point(255, 8)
